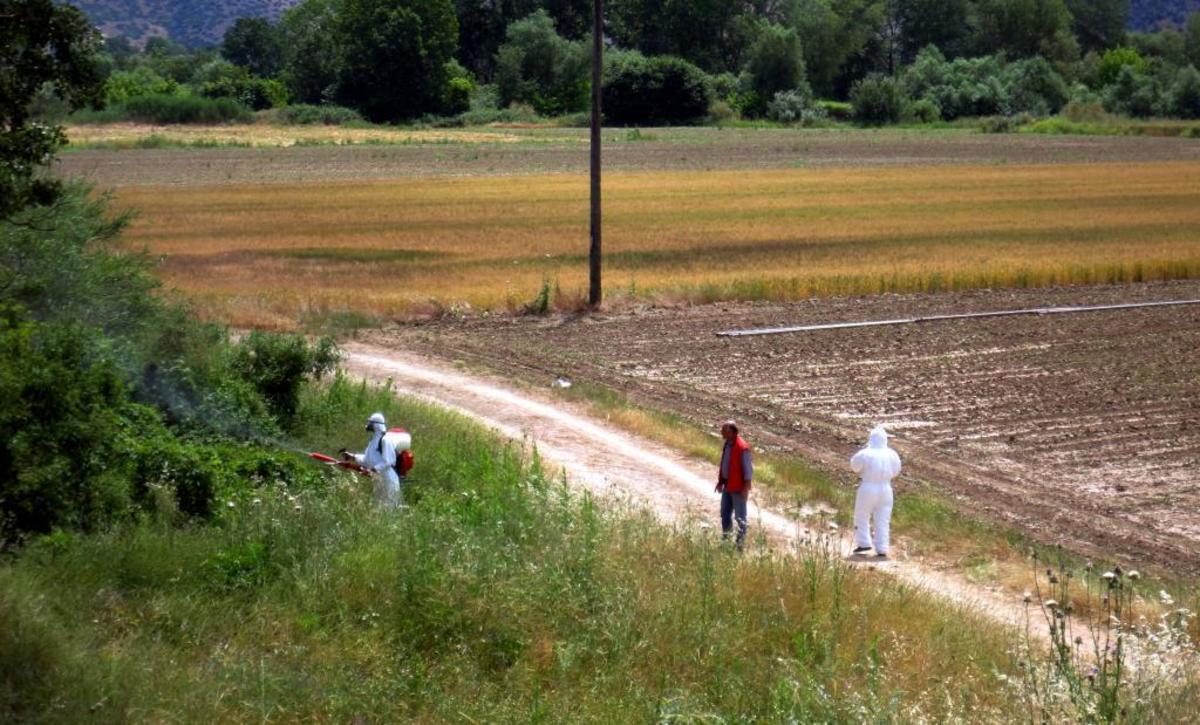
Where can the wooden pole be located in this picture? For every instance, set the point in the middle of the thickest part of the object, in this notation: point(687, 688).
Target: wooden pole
point(594, 293)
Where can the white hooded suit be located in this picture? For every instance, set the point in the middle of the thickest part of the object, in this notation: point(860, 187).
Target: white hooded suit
point(380, 458)
point(877, 465)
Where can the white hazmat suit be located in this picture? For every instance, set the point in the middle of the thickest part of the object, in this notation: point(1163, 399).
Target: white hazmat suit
point(379, 457)
point(877, 465)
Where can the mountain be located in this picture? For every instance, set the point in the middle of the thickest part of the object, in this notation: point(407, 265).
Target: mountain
point(191, 22)
point(1150, 14)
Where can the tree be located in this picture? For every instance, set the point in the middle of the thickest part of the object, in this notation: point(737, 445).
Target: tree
point(877, 99)
point(41, 43)
point(656, 90)
point(775, 62)
point(1099, 24)
point(254, 44)
point(831, 34)
point(537, 66)
point(932, 22)
point(1191, 35)
point(1019, 28)
point(1183, 97)
point(312, 61)
point(393, 56)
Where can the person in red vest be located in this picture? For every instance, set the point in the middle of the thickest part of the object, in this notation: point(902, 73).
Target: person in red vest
point(734, 481)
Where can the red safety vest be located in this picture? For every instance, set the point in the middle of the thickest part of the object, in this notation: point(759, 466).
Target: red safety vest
point(736, 483)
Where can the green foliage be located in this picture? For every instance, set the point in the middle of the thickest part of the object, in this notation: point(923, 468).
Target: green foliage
point(962, 87)
point(1131, 94)
point(877, 99)
point(1183, 97)
point(303, 114)
point(775, 62)
point(141, 81)
point(393, 56)
point(537, 66)
point(42, 43)
point(923, 110)
point(278, 365)
point(1115, 60)
point(653, 90)
point(795, 106)
point(254, 93)
point(165, 109)
point(312, 58)
point(1033, 86)
point(1019, 28)
point(254, 44)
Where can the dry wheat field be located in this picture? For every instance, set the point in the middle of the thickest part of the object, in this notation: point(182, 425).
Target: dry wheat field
point(272, 254)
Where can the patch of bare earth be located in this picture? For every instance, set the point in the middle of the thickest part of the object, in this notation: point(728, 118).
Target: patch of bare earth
point(1082, 430)
point(699, 149)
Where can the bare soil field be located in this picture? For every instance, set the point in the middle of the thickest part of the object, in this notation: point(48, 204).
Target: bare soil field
point(1079, 429)
point(476, 152)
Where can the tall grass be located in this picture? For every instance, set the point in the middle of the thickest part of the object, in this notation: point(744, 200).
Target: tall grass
point(498, 595)
point(251, 254)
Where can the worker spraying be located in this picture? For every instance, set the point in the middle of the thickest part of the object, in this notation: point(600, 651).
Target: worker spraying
point(878, 465)
point(387, 456)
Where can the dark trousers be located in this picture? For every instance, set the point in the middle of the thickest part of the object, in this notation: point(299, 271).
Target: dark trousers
point(733, 505)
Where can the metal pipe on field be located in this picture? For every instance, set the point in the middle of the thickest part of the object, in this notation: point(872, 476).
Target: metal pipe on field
point(958, 316)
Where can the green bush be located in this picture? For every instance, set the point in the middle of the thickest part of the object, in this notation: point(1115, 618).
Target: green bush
point(303, 114)
point(258, 94)
point(923, 110)
point(278, 365)
point(1183, 97)
point(537, 66)
point(877, 99)
point(1116, 60)
point(141, 81)
point(795, 106)
point(962, 87)
point(656, 90)
point(1131, 94)
point(1033, 86)
point(164, 109)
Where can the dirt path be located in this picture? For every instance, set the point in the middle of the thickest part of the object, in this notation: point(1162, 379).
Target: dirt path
point(646, 473)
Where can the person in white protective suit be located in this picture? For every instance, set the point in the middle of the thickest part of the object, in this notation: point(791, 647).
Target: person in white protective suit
point(877, 465)
point(379, 457)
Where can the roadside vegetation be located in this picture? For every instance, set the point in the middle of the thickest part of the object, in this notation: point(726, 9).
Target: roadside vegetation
point(267, 256)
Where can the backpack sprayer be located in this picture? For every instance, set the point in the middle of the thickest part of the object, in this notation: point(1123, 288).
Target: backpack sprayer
point(398, 438)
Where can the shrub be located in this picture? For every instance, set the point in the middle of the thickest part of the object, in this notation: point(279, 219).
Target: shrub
point(1033, 86)
point(141, 81)
point(537, 66)
point(1115, 60)
point(923, 110)
point(963, 87)
point(165, 109)
point(795, 106)
point(277, 366)
point(303, 114)
point(775, 62)
point(1183, 97)
point(877, 99)
point(255, 93)
point(653, 90)
point(1131, 94)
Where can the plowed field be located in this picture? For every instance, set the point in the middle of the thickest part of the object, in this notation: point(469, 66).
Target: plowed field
point(1080, 429)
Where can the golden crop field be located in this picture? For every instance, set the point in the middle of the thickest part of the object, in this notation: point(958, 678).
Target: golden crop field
point(135, 135)
point(271, 254)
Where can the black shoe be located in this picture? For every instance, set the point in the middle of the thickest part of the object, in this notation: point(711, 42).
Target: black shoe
point(861, 549)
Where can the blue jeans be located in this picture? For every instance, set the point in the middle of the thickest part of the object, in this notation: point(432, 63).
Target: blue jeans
point(733, 505)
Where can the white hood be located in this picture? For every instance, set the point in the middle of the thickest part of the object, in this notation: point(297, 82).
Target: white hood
point(876, 463)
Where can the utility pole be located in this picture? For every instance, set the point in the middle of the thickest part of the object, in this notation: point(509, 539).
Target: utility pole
point(597, 77)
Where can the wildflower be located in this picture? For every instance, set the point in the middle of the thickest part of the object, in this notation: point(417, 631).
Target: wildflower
point(1027, 597)
point(1089, 566)
point(1108, 575)
point(1050, 604)
point(296, 507)
point(1165, 598)
point(1135, 575)
point(257, 501)
point(833, 525)
point(1078, 641)
point(230, 504)
point(1053, 579)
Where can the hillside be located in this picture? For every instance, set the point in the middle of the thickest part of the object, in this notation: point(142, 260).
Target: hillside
point(1149, 14)
point(191, 22)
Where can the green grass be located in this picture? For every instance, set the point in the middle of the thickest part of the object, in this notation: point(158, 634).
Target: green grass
point(499, 595)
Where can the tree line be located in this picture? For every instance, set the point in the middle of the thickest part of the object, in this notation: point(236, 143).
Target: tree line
point(679, 61)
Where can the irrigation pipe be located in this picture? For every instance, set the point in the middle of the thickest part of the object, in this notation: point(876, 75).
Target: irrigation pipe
point(959, 316)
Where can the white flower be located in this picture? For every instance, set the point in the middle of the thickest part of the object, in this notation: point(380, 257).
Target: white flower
point(230, 504)
point(1050, 604)
point(1027, 597)
point(1108, 575)
point(1135, 575)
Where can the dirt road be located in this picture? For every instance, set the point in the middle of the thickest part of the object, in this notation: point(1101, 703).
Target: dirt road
point(1081, 430)
point(647, 474)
